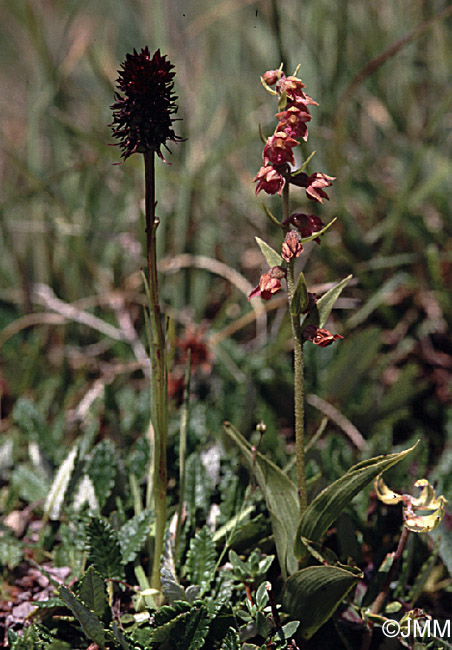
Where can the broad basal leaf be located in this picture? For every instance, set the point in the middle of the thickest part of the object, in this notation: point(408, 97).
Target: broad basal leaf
point(281, 497)
point(328, 505)
point(312, 595)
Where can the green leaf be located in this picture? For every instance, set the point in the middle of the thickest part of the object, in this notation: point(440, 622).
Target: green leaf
point(190, 632)
point(104, 549)
point(102, 467)
point(300, 298)
point(55, 498)
point(272, 217)
point(30, 483)
point(313, 594)
point(281, 497)
point(133, 534)
point(89, 622)
point(120, 637)
point(305, 240)
point(231, 641)
point(320, 312)
point(273, 258)
point(201, 559)
point(328, 505)
point(92, 592)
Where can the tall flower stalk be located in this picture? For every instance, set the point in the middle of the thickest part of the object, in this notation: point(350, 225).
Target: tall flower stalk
point(142, 122)
point(275, 176)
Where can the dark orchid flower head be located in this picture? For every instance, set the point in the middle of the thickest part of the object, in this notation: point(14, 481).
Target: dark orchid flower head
point(145, 103)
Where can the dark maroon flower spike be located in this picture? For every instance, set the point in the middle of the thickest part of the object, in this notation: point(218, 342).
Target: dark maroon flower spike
point(142, 119)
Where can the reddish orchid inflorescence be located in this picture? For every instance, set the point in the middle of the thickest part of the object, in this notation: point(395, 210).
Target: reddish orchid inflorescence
point(278, 170)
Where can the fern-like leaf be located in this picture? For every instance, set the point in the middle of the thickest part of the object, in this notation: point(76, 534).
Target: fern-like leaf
point(231, 641)
point(133, 534)
point(201, 559)
point(102, 468)
point(104, 549)
point(190, 632)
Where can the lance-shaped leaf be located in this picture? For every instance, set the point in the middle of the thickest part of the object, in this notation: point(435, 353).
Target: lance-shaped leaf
point(281, 497)
point(273, 258)
point(322, 309)
point(329, 504)
point(300, 298)
point(313, 594)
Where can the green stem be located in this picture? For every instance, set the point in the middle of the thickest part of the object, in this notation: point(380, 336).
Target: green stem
point(159, 392)
point(298, 373)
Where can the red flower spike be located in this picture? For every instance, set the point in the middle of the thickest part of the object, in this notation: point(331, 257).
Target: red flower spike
point(278, 149)
point(319, 336)
point(269, 180)
point(292, 246)
point(142, 113)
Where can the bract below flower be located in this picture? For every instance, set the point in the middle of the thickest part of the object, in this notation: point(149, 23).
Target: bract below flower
point(269, 180)
point(269, 283)
point(320, 336)
point(278, 149)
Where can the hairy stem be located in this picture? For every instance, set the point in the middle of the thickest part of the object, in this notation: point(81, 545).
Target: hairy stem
point(159, 392)
point(298, 373)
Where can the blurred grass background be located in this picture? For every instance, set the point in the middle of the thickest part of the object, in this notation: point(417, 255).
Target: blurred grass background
point(72, 220)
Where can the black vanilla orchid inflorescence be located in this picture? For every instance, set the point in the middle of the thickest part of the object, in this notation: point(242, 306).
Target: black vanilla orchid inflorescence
point(145, 103)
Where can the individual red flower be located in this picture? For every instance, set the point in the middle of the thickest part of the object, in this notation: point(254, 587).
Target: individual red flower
point(306, 224)
point(269, 283)
point(278, 149)
point(320, 336)
point(292, 86)
point(271, 76)
point(142, 113)
point(292, 246)
point(313, 184)
point(293, 122)
point(269, 180)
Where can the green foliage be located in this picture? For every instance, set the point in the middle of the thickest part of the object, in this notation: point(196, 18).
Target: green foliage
point(102, 469)
point(133, 533)
point(89, 622)
point(271, 256)
point(300, 298)
point(201, 559)
point(92, 592)
point(324, 305)
point(328, 505)
point(281, 497)
point(313, 594)
point(104, 551)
